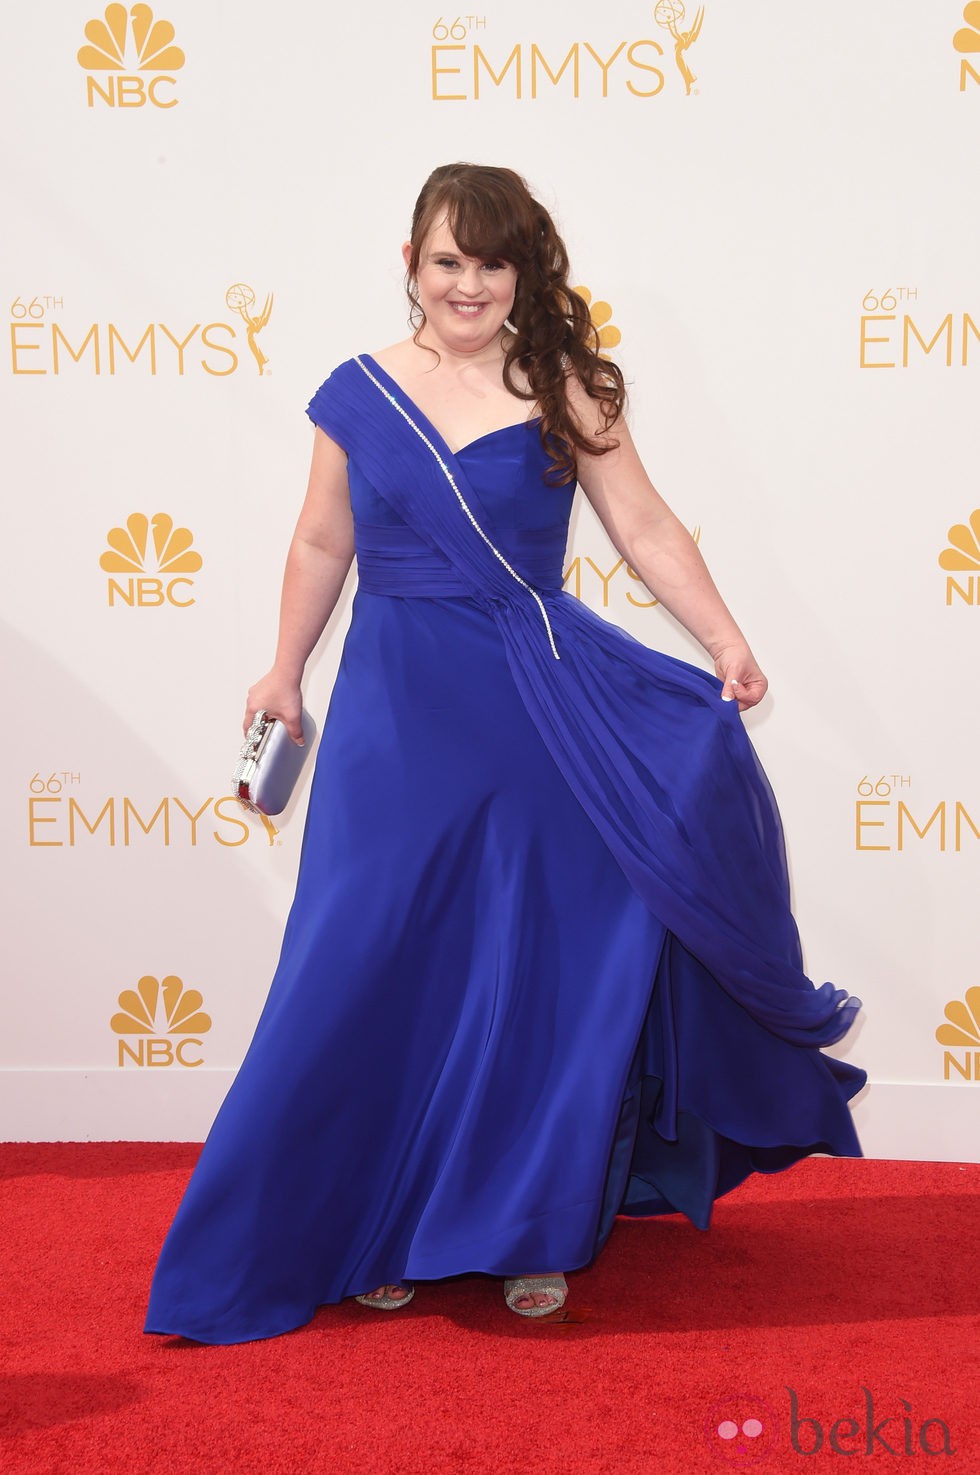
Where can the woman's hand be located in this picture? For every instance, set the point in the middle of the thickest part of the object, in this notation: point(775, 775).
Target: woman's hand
point(743, 681)
point(281, 697)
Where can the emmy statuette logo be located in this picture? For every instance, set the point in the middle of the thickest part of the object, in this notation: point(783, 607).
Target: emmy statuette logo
point(240, 298)
point(156, 576)
point(122, 46)
point(154, 1010)
point(670, 15)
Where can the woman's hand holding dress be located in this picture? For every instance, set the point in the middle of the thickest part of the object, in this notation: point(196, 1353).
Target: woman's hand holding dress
point(737, 669)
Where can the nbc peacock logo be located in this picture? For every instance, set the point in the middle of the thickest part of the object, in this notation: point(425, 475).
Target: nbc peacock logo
point(122, 45)
point(967, 42)
point(962, 1031)
point(601, 313)
point(156, 558)
point(962, 557)
point(150, 1014)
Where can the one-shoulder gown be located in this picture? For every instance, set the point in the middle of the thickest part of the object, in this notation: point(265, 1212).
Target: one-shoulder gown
point(484, 1039)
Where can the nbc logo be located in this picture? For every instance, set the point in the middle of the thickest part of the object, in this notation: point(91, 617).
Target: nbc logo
point(140, 1015)
point(962, 1029)
point(601, 314)
point(172, 556)
point(963, 557)
point(967, 42)
point(116, 43)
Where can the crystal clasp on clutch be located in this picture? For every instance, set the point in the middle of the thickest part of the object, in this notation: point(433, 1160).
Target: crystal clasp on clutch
point(269, 764)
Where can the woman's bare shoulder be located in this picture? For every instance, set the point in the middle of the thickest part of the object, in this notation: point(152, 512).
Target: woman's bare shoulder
point(396, 355)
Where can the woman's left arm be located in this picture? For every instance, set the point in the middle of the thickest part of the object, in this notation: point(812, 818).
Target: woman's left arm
point(657, 547)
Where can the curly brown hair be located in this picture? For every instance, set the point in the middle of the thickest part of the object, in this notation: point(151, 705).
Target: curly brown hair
point(493, 216)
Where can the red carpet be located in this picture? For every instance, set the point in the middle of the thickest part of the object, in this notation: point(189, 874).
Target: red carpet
point(836, 1305)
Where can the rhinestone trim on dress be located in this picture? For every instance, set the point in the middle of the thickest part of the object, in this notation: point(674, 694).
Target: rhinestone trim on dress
point(462, 502)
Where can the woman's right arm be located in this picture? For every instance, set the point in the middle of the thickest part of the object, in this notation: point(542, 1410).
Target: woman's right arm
point(319, 558)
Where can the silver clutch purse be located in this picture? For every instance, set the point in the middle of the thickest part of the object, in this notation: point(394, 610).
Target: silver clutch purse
point(269, 764)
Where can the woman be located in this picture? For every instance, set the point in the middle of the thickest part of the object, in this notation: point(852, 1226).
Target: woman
point(540, 967)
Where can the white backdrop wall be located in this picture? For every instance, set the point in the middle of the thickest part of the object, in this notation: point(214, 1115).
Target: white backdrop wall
point(775, 210)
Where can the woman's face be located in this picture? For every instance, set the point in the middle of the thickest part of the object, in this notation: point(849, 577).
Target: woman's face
point(466, 300)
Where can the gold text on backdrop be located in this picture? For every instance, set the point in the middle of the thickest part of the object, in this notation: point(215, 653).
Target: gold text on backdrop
point(950, 341)
point(469, 61)
point(56, 819)
point(947, 827)
point(576, 581)
point(40, 344)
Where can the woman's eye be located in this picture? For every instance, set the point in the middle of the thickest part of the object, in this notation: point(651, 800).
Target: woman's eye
point(493, 266)
point(446, 261)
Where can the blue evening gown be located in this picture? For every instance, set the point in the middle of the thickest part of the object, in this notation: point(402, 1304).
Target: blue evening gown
point(527, 980)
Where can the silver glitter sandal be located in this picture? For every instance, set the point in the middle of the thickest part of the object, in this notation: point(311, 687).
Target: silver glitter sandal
point(530, 1285)
point(386, 1302)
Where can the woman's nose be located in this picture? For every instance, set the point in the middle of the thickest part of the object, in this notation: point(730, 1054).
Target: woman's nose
point(470, 282)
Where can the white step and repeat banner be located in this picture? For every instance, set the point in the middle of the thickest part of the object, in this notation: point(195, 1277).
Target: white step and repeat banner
point(774, 210)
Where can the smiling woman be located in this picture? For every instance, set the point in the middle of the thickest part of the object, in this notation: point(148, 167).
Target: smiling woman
point(464, 303)
point(488, 276)
point(480, 293)
point(541, 966)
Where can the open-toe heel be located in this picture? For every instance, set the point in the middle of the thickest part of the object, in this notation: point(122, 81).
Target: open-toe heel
point(531, 1285)
point(387, 1302)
